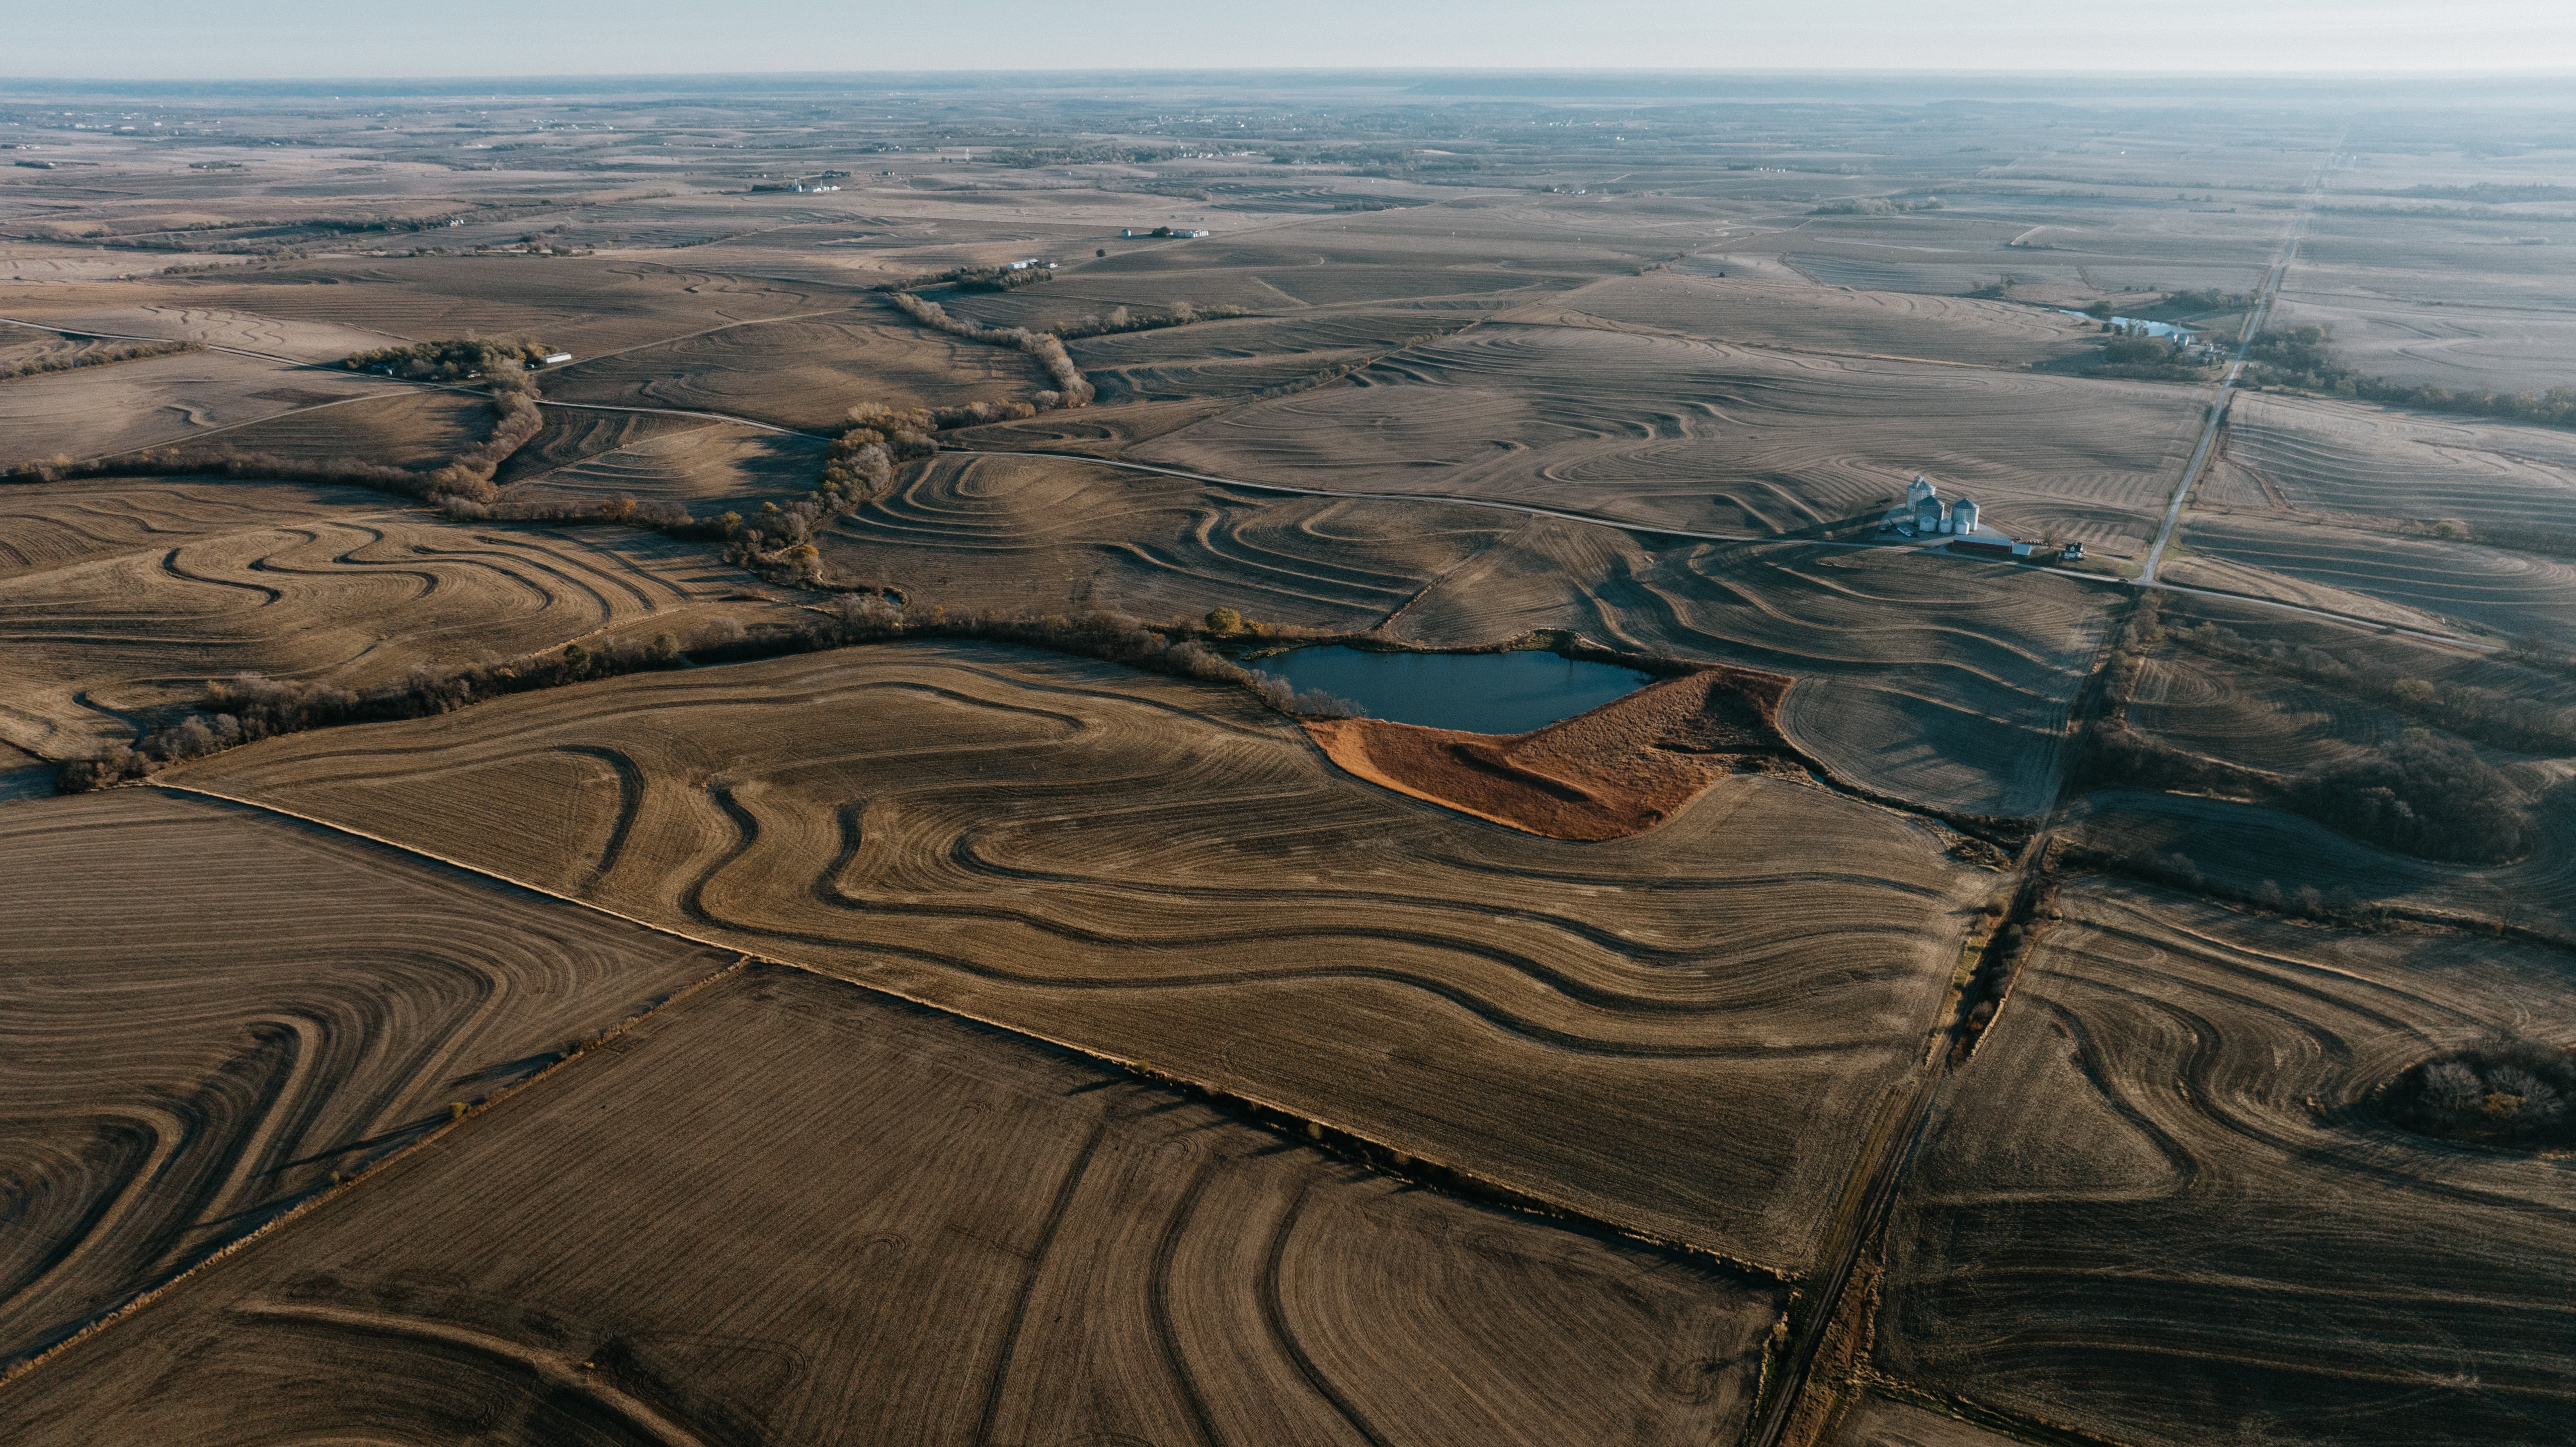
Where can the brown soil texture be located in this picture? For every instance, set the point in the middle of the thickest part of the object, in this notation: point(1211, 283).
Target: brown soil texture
point(1686, 1031)
point(1619, 769)
point(206, 1011)
point(787, 1209)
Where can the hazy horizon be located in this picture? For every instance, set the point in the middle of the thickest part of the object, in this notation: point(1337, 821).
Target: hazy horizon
point(304, 40)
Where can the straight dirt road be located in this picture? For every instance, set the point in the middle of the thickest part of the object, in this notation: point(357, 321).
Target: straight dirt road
point(2255, 316)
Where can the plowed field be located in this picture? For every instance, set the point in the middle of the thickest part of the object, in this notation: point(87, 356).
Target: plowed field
point(1671, 432)
point(357, 597)
point(2482, 588)
point(889, 1225)
point(206, 1011)
point(2342, 457)
point(96, 411)
point(805, 374)
point(1685, 1030)
point(718, 462)
point(2160, 1208)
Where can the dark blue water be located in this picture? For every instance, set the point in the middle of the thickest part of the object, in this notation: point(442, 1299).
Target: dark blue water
point(1485, 693)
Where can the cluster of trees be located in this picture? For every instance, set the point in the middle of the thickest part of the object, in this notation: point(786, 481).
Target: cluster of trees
point(2207, 299)
point(1072, 389)
point(2479, 713)
point(859, 467)
point(667, 518)
point(2501, 1091)
point(1120, 319)
point(249, 708)
point(2429, 796)
point(2303, 357)
point(972, 278)
point(2519, 537)
point(452, 361)
point(93, 357)
point(2338, 905)
point(2148, 358)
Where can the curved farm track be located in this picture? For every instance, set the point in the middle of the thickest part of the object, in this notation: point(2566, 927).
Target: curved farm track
point(1164, 871)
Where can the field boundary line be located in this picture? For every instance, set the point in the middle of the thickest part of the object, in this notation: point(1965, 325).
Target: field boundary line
point(1438, 1175)
point(340, 1188)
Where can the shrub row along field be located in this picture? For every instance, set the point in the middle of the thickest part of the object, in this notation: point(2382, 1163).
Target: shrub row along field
point(891, 1225)
point(2165, 1206)
point(1685, 1031)
point(138, 619)
point(1677, 433)
point(206, 1012)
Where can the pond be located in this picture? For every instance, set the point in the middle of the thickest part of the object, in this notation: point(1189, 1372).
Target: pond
point(2132, 324)
point(1485, 693)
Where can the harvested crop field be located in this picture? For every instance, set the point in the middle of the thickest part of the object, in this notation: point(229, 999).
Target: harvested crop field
point(2161, 1209)
point(2329, 458)
point(57, 525)
point(719, 462)
point(1749, 312)
point(1678, 433)
point(209, 1011)
point(1056, 534)
point(576, 434)
point(2482, 588)
point(1684, 1031)
point(1617, 770)
point(805, 373)
point(304, 341)
point(898, 1226)
point(419, 430)
point(1248, 355)
point(99, 411)
point(2244, 716)
point(356, 597)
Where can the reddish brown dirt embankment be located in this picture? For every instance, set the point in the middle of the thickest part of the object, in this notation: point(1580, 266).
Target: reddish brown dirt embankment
point(1621, 769)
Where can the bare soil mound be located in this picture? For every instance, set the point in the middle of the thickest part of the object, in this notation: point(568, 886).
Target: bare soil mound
point(1619, 769)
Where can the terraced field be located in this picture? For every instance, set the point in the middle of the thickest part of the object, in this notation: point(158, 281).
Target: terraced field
point(1677, 433)
point(1684, 1030)
point(411, 429)
point(716, 462)
point(62, 524)
point(2339, 457)
point(2486, 589)
point(1248, 355)
point(1065, 535)
point(805, 374)
point(132, 619)
point(894, 1225)
point(97, 411)
point(2159, 1209)
point(1752, 311)
point(248, 331)
point(206, 1012)
point(2244, 716)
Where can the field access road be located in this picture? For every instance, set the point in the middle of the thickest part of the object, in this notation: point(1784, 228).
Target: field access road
point(2254, 319)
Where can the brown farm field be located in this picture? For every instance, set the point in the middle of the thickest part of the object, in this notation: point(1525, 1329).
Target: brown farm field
point(895, 1225)
point(331, 583)
point(2160, 1198)
point(212, 1012)
point(1160, 872)
point(156, 402)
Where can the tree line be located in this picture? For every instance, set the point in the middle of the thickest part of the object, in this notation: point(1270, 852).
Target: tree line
point(93, 357)
point(1120, 319)
point(249, 708)
point(2303, 357)
point(1071, 388)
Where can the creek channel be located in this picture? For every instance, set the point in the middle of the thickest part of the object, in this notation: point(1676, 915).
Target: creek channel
point(1484, 693)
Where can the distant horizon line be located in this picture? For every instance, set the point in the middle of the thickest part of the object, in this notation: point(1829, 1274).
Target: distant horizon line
point(1780, 72)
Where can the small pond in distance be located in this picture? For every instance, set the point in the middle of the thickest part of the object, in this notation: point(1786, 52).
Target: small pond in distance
point(1485, 693)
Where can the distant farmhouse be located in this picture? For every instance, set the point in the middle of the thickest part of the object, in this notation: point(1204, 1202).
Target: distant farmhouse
point(1132, 234)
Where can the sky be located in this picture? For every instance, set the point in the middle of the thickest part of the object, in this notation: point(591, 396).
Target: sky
point(297, 39)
